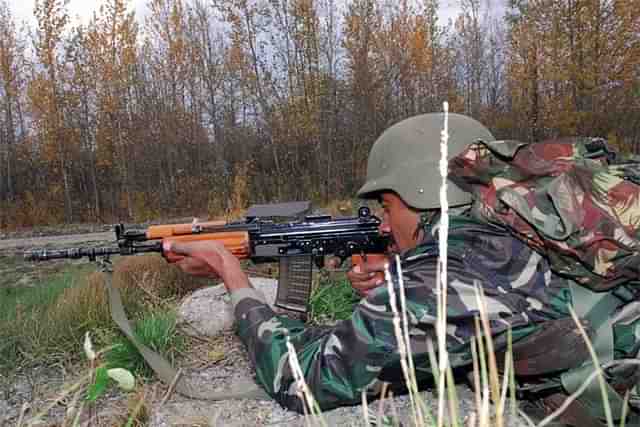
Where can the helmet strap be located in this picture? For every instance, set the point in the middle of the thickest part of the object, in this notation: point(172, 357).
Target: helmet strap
point(427, 218)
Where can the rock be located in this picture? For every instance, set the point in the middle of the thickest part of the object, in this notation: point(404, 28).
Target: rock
point(207, 312)
point(7, 412)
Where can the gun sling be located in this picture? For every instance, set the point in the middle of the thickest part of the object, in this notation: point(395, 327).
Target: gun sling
point(161, 366)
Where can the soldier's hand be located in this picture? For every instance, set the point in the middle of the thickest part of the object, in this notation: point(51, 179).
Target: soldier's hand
point(367, 275)
point(205, 258)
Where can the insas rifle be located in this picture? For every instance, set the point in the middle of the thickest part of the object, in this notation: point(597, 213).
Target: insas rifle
point(296, 245)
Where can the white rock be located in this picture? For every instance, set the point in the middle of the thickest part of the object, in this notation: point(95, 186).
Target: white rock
point(208, 312)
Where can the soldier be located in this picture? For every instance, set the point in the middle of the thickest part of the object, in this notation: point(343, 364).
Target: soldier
point(340, 362)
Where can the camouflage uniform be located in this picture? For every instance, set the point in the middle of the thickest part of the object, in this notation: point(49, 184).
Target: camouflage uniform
point(340, 361)
point(528, 279)
point(575, 201)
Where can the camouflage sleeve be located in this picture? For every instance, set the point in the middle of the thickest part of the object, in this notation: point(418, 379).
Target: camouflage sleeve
point(338, 362)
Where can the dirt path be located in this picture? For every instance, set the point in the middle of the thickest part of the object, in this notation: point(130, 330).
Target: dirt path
point(8, 246)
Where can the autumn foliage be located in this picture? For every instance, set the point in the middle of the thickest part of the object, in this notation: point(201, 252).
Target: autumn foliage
point(203, 107)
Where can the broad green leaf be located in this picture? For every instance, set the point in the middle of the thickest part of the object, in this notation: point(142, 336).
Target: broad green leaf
point(99, 384)
point(123, 377)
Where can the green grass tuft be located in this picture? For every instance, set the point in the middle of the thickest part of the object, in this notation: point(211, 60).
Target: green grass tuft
point(332, 300)
point(155, 330)
point(23, 318)
point(45, 320)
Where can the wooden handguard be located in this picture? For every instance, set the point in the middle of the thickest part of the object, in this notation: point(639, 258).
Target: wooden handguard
point(237, 242)
point(363, 259)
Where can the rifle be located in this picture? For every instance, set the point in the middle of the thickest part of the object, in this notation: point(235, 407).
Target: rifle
point(296, 245)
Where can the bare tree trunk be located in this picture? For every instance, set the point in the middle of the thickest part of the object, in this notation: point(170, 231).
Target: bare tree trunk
point(68, 211)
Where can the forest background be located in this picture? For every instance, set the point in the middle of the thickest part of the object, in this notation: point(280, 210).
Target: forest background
point(209, 105)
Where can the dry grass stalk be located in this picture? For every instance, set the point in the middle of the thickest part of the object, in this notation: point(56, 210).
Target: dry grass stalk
point(383, 393)
point(61, 397)
point(453, 398)
point(402, 347)
point(625, 408)
point(596, 373)
point(433, 362)
point(512, 377)
point(72, 408)
point(569, 400)
point(303, 389)
point(598, 368)
point(171, 387)
point(476, 376)
point(155, 275)
point(482, 391)
point(443, 235)
point(421, 407)
point(139, 413)
point(494, 380)
point(365, 407)
point(508, 366)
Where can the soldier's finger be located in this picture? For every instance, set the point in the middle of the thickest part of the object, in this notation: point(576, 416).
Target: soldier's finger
point(374, 264)
point(364, 287)
point(355, 277)
point(176, 248)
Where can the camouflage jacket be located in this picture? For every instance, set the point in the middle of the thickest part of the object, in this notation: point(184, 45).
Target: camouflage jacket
point(340, 362)
point(575, 201)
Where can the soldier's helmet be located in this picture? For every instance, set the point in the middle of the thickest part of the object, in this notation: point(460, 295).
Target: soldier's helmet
point(405, 158)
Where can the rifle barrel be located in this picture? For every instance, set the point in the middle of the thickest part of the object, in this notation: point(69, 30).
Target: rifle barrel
point(91, 253)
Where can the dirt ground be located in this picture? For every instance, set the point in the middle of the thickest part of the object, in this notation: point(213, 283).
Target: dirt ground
point(16, 245)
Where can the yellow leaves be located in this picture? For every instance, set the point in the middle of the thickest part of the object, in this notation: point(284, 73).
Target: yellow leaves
point(240, 189)
point(579, 52)
point(52, 20)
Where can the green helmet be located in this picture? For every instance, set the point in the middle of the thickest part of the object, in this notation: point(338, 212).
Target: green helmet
point(405, 159)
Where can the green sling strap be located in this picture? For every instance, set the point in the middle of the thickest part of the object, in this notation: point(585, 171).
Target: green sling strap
point(160, 365)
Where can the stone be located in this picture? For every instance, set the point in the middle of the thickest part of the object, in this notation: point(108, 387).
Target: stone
point(207, 312)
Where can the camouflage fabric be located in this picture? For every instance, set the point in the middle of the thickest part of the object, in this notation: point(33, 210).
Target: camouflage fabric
point(572, 201)
point(340, 361)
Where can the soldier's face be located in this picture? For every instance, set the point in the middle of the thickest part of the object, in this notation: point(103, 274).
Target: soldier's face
point(399, 221)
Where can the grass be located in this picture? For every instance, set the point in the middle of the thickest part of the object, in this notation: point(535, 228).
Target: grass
point(332, 299)
point(158, 332)
point(24, 328)
point(9, 274)
point(46, 322)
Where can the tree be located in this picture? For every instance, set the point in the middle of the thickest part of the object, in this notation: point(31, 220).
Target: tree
point(577, 59)
point(12, 63)
point(363, 25)
point(111, 44)
point(47, 95)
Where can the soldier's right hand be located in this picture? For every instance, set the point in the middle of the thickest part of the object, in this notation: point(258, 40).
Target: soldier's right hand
point(367, 275)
